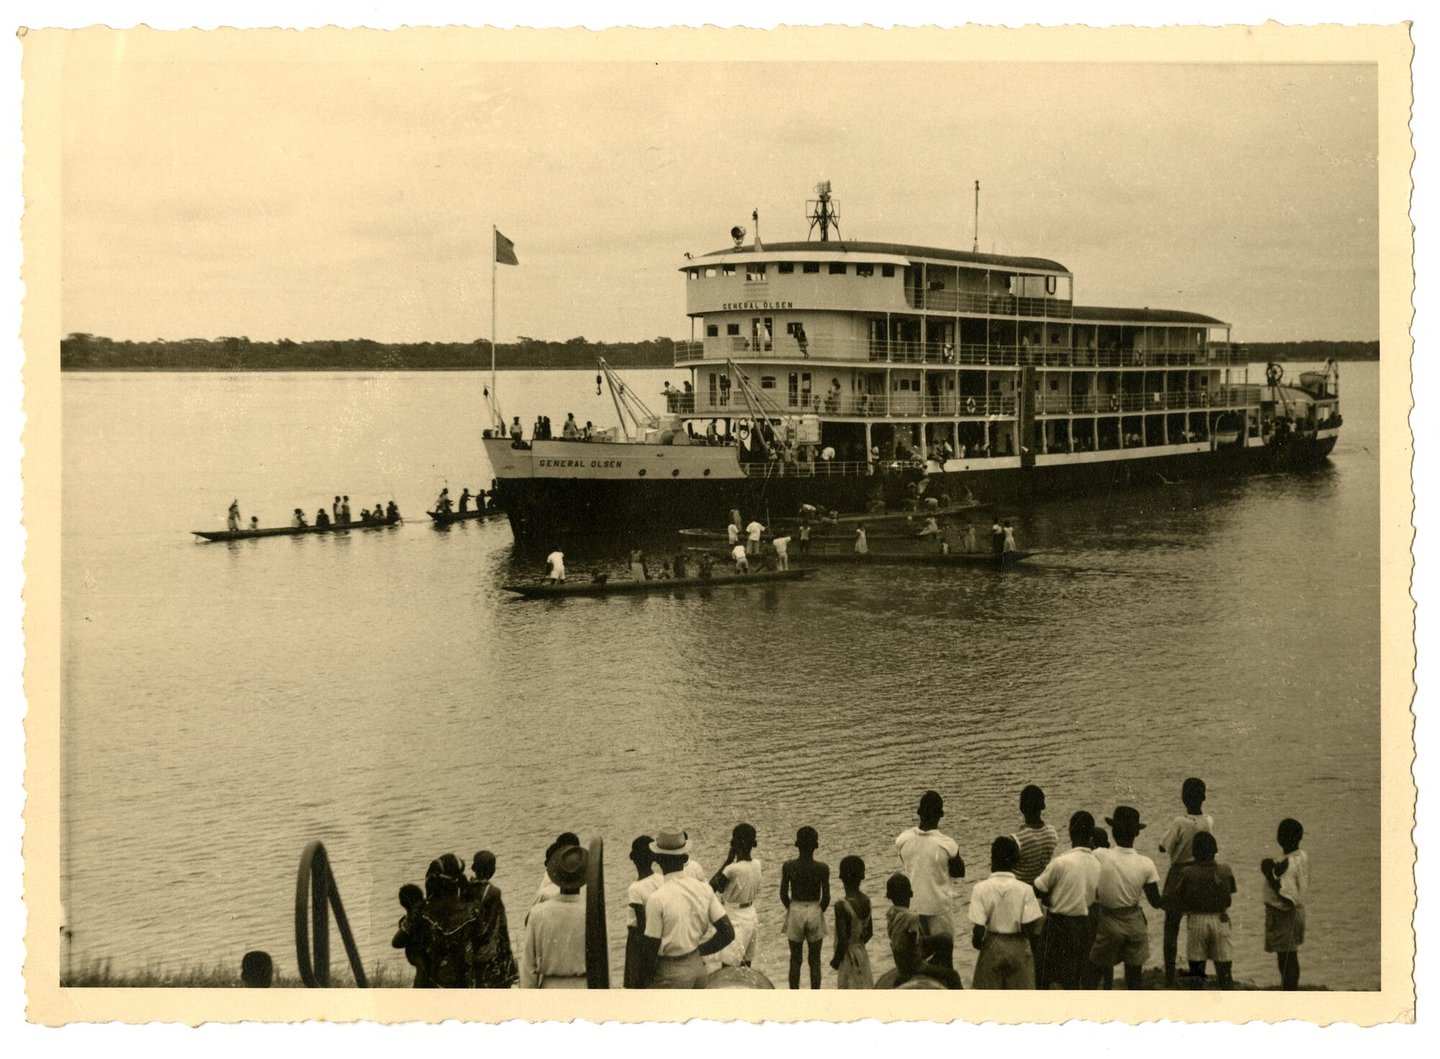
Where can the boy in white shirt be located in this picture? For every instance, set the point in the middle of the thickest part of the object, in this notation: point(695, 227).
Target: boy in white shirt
point(1122, 933)
point(1005, 913)
point(1286, 882)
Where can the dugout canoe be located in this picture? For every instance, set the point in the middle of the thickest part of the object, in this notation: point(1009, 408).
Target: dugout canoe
point(444, 518)
point(626, 586)
point(984, 559)
point(289, 531)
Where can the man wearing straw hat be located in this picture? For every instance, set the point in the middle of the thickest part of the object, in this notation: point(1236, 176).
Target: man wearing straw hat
point(554, 955)
point(1121, 934)
point(677, 916)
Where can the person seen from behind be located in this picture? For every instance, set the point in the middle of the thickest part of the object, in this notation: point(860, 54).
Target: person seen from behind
point(1202, 894)
point(805, 893)
point(1287, 881)
point(1005, 914)
point(1177, 841)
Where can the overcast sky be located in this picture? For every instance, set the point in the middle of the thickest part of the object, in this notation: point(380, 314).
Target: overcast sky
point(340, 200)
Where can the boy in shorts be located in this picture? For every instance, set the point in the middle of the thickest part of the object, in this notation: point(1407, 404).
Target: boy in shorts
point(805, 893)
point(1006, 915)
point(1286, 883)
point(1121, 932)
point(1202, 894)
point(911, 947)
point(1177, 841)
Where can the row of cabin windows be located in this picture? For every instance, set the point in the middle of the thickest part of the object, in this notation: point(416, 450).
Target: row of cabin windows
point(758, 273)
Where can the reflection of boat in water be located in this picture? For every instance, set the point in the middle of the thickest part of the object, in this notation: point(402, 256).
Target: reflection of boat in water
point(631, 587)
point(444, 518)
point(291, 531)
point(932, 558)
point(850, 374)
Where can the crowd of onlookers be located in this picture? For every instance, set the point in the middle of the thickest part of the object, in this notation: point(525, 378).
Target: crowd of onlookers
point(1042, 917)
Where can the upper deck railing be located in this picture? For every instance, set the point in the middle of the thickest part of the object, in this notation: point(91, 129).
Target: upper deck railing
point(873, 351)
point(959, 301)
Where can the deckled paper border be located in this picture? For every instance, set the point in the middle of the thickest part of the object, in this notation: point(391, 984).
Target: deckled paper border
point(1387, 46)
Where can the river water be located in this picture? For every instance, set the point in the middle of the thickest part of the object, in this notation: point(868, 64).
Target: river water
point(224, 704)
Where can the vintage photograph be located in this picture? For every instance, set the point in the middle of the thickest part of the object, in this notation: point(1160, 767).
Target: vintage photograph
point(809, 510)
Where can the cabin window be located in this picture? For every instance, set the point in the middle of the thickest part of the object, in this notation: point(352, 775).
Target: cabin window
point(727, 270)
point(710, 273)
point(692, 273)
point(755, 273)
point(865, 270)
point(712, 330)
point(810, 267)
point(888, 271)
point(732, 329)
point(786, 267)
point(837, 268)
point(767, 382)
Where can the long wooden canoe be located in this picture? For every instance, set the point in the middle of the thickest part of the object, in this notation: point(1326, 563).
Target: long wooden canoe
point(901, 524)
point(289, 531)
point(622, 586)
point(444, 518)
point(874, 558)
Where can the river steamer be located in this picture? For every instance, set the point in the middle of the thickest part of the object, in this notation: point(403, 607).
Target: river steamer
point(852, 375)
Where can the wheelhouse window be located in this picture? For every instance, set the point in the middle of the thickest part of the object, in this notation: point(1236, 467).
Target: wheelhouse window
point(865, 270)
point(837, 268)
point(712, 330)
point(786, 267)
point(888, 271)
point(692, 274)
point(732, 329)
point(810, 268)
point(728, 270)
point(755, 273)
point(710, 272)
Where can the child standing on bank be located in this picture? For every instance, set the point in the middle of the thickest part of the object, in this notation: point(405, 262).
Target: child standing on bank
point(1286, 882)
point(853, 928)
point(1006, 915)
point(805, 893)
point(1121, 933)
point(910, 946)
point(1177, 841)
point(1202, 893)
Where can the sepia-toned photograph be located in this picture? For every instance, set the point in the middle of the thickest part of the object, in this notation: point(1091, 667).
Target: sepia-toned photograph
point(751, 511)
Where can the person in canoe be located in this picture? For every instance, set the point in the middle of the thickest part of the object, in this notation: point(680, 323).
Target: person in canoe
point(680, 564)
point(742, 561)
point(443, 504)
point(464, 501)
point(298, 520)
point(1007, 543)
point(345, 510)
point(254, 523)
point(322, 518)
point(862, 543)
point(232, 517)
point(365, 517)
point(335, 510)
point(707, 565)
point(392, 512)
point(930, 530)
point(378, 511)
point(556, 562)
point(638, 570)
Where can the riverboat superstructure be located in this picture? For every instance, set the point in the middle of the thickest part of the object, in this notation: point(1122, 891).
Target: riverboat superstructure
point(852, 374)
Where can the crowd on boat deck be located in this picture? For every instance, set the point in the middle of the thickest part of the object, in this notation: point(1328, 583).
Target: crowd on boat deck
point(480, 500)
point(1042, 917)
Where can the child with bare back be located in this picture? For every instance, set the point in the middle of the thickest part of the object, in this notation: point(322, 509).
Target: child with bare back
point(805, 893)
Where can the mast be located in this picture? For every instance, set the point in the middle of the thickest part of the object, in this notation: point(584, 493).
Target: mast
point(493, 264)
point(975, 246)
point(823, 212)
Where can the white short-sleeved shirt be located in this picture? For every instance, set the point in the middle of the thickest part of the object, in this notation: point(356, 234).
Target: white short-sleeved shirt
point(1003, 904)
point(733, 532)
point(557, 563)
point(1179, 837)
point(925, 856)
point(680, 913)
point(744, 883)
point(638, 893)
point(1294, 884)
point(738, 552)
point(781, 544)
point(754, 530)
point(1123, 875)
point(1071, 881)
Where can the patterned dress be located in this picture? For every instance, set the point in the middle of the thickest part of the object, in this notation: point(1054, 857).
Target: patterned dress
point(494, 959)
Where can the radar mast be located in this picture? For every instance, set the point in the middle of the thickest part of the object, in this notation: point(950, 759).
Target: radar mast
point(823, 212)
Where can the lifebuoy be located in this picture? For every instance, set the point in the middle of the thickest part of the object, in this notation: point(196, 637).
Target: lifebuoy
point(743, 431)
point(1114, 402)
point(970, 405)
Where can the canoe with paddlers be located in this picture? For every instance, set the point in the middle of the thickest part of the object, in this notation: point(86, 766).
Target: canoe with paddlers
point(623, 586)
point(290, 531)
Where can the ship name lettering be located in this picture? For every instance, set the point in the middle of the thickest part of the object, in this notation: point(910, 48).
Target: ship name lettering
point(757, 305)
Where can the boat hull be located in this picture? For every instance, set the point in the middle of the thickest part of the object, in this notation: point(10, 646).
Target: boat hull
point(544, 508)
point(445, 518)
point(621, 587)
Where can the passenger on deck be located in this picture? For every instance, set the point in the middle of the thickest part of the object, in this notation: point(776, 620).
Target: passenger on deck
point(392, 512)
point(322, 518)
point(638, 570)
point(537, 432)
point(571, 429)
point(298, 522)
point(548, 432)
point(742, 562)
point(232, 517)
point(712, 436)
point(464, 501)
point(589, 431)
point(517, 432)
point(556, 561)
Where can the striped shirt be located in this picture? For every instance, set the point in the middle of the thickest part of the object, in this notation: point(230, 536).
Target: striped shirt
point(1037, 845)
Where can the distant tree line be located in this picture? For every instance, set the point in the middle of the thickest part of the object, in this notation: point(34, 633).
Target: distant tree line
point(1314, 350)
point(85, 352)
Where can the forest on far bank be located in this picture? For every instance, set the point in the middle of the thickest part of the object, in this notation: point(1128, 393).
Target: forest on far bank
point(86, 352)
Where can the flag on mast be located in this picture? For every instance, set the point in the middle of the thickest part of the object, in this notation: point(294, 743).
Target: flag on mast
point(505, 250)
